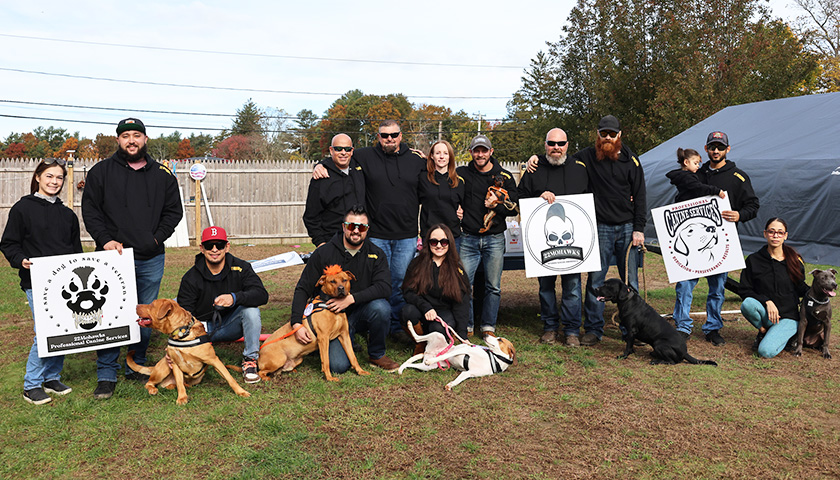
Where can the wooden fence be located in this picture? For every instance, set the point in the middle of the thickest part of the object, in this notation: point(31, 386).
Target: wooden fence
point(255, 201)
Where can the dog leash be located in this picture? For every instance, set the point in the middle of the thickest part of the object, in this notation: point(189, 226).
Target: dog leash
point(449, 332)
point(313, 307)
point(627, 276)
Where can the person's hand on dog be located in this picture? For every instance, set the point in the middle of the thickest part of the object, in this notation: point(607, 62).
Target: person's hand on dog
point(224, 300)
point(548, 196)
point(490, 200)
point(730, 215)
point(431, 315)
point(113, 245)
point(302, 336)
point(320, 172)
point(772, 312)
point(638, 239)
point(338, 305)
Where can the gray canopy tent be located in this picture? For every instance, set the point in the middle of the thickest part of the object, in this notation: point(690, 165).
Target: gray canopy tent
point(790, 148)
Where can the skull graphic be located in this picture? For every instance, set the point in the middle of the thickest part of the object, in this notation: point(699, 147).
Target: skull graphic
point(85, 297)
point(559, 231)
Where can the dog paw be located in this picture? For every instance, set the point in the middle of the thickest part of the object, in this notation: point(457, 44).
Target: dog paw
point(826, 355)
point(181, 401)
point(448, 387)
point(244, 394)
point(797, 353)
point(333, 379)
point(152, 390)
point(363, 372)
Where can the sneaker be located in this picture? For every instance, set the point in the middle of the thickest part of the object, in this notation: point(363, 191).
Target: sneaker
point(385, 363)
point(589, 339)
point(249, 370)
point(36, 396)
point(715, 338)
point(549, 337)
point(137, 376)
point(684, 335)
point(56, 387)
point(572, 341)
point(104, 390)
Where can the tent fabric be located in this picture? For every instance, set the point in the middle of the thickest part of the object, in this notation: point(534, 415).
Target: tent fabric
point(789, 149)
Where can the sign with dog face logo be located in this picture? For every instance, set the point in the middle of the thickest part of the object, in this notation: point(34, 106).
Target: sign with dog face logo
point(561, 237)
point(696, 241)
point(84, 301)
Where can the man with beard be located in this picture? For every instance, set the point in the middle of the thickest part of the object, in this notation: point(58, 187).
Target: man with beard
point(557, 176)
point(726, 176)
point(131, 201)
point(224, 293)
point(618, 183)
point(366, 306)
point(392, 178)
point(486, 247)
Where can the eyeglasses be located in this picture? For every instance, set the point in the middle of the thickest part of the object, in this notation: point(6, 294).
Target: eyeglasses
point(606, 134)
point(717, 146)
point(392, 135)
point(552, 143)
point(58, 161)
point(211, 244)
point(350, 226)
point(444, 242)
point(342, 149)
point(775, 233)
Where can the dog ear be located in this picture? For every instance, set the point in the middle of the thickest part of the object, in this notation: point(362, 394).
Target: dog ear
point(321, 281)
point(165, 309)
point(814, 271)
point(350, 275)
point(833, 271)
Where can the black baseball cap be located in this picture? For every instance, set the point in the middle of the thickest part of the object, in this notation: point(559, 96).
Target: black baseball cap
point(609, 123)
point(130, 124)
point(717, 137)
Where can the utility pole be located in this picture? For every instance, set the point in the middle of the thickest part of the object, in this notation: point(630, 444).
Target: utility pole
point(480, 117)
point(440, 130)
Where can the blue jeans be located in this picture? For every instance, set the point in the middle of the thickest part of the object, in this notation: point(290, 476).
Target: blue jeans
point(488, 250)
point(570, 305)
point(613, 241)
point(40, 370)
point(777, 335)
point(148, 274)
point(242, 322)
point(399, 254)
point(714, 303)
point(374, 318)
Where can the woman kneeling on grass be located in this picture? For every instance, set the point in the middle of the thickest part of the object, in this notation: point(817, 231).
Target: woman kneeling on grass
point(40, 225)
point(772, 285)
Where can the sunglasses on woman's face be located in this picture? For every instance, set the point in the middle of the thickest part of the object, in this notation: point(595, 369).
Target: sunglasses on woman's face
point(59, 161)
point(442, 241)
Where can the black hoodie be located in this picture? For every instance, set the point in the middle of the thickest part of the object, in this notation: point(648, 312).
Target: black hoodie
point(567, 179)
point(199, 287)
point(766, 278)
point(618, 188)
point(737, 185)
point(38, 228)
point(391, 190)
point(138, 208)
point(689, 185)
point(440, 202)
point(329, 199)
point(475, 189)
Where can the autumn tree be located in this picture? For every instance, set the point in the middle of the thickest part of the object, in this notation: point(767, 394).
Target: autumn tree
point(185, 150)
point(235, 147)
point(819, 28)
point(70, 144)
point(105, 145)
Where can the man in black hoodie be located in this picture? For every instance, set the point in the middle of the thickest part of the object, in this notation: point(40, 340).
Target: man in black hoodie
point(224, 292)
point(130, 200)
point(480, 244)
point(725, 175)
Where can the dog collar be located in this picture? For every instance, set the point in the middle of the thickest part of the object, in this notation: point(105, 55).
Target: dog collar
point(183, 331)
point(188, 343)
point(819, 302)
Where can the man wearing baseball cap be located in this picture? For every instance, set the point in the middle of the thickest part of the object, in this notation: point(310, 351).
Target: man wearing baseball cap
point(720, 172)
point(131, 201)
point(224, 292)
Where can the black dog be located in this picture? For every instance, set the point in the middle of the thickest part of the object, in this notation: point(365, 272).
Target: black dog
point(642, 322)
point(815, 314)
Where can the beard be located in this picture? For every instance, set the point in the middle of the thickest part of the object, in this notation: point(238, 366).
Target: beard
point(606, 148)
point(556, 160)
point(140, 155)
point(351, 242)
point(391, 149)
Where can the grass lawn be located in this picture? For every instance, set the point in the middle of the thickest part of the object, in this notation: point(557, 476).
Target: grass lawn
point(558, 413)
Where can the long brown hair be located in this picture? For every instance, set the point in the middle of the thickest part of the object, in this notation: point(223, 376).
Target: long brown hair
point(430, 164)
point(418, 277)
point(793, 260)
point(45, 164)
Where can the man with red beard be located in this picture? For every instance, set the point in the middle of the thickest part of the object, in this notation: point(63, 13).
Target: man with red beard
point(618, 183)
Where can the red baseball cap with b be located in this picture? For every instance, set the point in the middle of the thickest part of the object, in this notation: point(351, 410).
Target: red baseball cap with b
point(213, 233)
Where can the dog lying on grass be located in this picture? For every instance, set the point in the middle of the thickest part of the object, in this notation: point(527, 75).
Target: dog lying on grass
point(471, 360)
point(815, 314)
point(187, 355)
point(642, 322)
point(282, 351)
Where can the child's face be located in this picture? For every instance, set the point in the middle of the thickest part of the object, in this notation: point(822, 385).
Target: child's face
point(692, 164)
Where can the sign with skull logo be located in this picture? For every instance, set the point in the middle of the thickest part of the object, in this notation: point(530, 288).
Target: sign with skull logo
point(696, 241)
point(84, 301)
point(561, 237)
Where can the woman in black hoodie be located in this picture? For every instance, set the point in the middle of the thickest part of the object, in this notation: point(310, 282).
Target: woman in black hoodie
point(441, 191)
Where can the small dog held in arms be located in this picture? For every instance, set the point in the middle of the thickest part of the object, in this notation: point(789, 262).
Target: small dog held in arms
point(501, 197)
point(815, 314)
point(282, 351)
point(471, 360)
point(642, 322)
point(187, 355)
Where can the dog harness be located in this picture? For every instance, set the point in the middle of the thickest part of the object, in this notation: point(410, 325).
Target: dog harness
point(315, 306)
point(494, 357)
point(175, 338)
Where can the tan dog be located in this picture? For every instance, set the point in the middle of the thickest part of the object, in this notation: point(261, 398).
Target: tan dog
point(187, 355)
point(282, 350)
point(499, 196)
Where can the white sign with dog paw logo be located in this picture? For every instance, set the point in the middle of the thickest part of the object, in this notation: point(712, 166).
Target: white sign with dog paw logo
point(84, 301)
point(561, 237)
point(695, 239)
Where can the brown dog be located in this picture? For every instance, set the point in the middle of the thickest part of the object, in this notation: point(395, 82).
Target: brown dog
point(499, 196)
point(815, 314)
point(189, 350)
point(282, 350)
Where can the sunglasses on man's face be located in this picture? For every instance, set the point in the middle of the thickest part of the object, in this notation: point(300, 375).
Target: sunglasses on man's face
point(211, 244)
point(443, 242)
point(716, 146)
point(392, 135)
point(363, 227)
point(606, 134)
point(342, 149)
point(551, 143)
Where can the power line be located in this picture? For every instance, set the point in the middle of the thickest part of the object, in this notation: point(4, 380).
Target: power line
point(262, 55)
point(235, 89)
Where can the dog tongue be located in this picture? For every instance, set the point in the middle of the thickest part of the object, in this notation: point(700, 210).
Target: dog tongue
point(144, 322)
point(831, 293)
